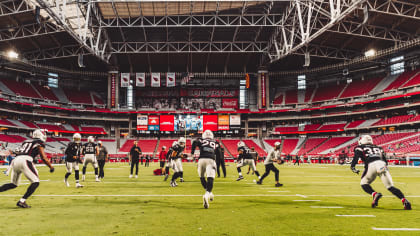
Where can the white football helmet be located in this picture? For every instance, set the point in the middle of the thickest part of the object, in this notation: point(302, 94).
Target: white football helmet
point(241, 144)
point(277, 144)
point(91, 139)
point(39, 134)
point(181, 142)
point(207, 134)
point(174, 143)
point(77, 138)
point(365, 139)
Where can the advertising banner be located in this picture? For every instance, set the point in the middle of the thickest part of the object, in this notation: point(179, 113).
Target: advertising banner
point(140, 79)
point(125, 79)
point(113, 89)
point(155, 80)
point(214, 93)
point(154, 122)
point(167, 123)
point(188, 123)
point(210, 122)
point(230, 103)
point(235, 121)
point(223, 122)
point(142, 122)
point(263, 92)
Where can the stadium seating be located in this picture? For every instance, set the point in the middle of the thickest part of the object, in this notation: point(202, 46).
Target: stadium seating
point(278, 100)
point(354, 124)
point(291, 97)
point(327, 92)
point(10, 138)
point(310, 144)
point(51, 127)
point(385, 138)
point(331, 143)
point(393, 120)
point(46, 93)
point(127, 145)
point(232, 146)
point(165, 142)
point(404, 146)
point(147, 146)
point(414, 81)
point(286, 129)
point(312, 127)
point(250, 143)
point(82, 97)
point(332, 126)
point(92, 129)
point(97, 99)
point(360, 87)
point(6, 122)
point(29, 124)
point(21, 88)
point(403, 78)
point(308, 94)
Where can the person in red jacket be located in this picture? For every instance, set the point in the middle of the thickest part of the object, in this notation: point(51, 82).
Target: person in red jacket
point(162, 159)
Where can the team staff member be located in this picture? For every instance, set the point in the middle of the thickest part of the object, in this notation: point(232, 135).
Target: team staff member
point(255, 156)
point(102, 158)
point(269, 164)
point(162, 159)
point(135, 153)
point(220, 162)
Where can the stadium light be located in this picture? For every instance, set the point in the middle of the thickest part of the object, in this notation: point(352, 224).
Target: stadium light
point(370, 53)
point(12, 54)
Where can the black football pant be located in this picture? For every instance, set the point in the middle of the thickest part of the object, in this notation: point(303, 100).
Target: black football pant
point(101, 164)
point(221, 162)
point(136, 163)
point(268, 168)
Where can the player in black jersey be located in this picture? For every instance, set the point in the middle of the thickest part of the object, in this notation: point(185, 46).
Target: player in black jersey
point(23, 164)
point(245, 158)
point(90, 151)
point(73, 152)
point(209, 148)
point(375, 165)
point(174, 156)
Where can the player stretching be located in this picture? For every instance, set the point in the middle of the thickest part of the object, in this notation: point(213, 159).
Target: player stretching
point(209, 148)
point(375, 165)
point(23, 163)
point(90, 151)
point(269, 164)
point(72, 152)
point(245, 159)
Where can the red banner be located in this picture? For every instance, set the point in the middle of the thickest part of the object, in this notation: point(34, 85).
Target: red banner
point(153, 120)
point(230, 103)
point(263, 92)
point(113, 89)
point(210, 122)
point(214, 93)
point(167, 122)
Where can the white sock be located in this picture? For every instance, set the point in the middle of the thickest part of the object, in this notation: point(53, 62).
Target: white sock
point(22, 200)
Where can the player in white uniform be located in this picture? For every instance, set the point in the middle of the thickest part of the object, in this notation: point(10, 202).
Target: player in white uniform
point(245, 159)
point(73, 152)
point(175, 154)
point(23, 164)
point(90, 151)
point(375, 165)
point(273, 156)
point(209, 148)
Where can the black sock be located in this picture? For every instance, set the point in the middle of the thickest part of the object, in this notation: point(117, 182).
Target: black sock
point(8, 186)
point(209, 184)
point(31, 190)
point(96, 171)
point(368, 188)
point(181, 174)
point(396, 192)
point(84, 170)
point(239, 169)
point(276, 175)
point(76, 175)
point(67, 175)
point(257, 173)
point(167, 170)
point(175, 176)
point(203, 182)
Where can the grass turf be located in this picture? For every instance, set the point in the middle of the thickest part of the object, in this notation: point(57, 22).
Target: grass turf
point(148, 206)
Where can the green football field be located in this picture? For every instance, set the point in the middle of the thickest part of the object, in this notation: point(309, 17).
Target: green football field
point(315, 200)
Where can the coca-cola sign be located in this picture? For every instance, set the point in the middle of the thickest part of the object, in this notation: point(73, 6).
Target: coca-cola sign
point(213, 93)
point(230, 103)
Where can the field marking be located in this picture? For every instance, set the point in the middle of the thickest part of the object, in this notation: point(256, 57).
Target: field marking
point(355, 215)
point(148, 195)
point(327, 207)
point(396, 229)
point(278, 191)
point(306, 200)
point(300, 195)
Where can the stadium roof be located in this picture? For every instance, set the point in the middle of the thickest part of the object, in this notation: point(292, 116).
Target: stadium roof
point(213, 36)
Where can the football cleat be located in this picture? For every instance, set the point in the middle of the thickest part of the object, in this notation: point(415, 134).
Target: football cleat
point(78, 185)
point(136, 176)
point(407, 204)
point(376, 197)
point(173, 184)
point(131, 176)
point(239, 178)
point(166, 177)
point(258, 182)
point(181, 180)
point(278, 185)
point(98, 180)
point(206, 201)
point(211, 197)
point(22, 204)
point(66, 182)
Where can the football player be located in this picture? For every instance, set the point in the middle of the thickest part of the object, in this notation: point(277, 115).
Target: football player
point(209, 148)
point(245, 159)
point(73, 152)
point(23, 164)
point(375, 165)
point(175, 155)
point(273, 156)
point(90, 151)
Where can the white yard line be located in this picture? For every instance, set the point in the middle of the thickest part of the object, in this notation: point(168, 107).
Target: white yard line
point(327, 207)
point(300, 195)
point(148, 195)
point(396, 229)
point(306, 200)
point(278, 191)
point(355, 215)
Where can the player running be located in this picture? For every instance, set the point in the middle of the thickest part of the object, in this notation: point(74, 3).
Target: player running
point(209, 148)
point(375, 165)
point(90, 151)
point(23, 163)
point(245, 159)
point(274, 156)
point(174, 157)
point(73, 152)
